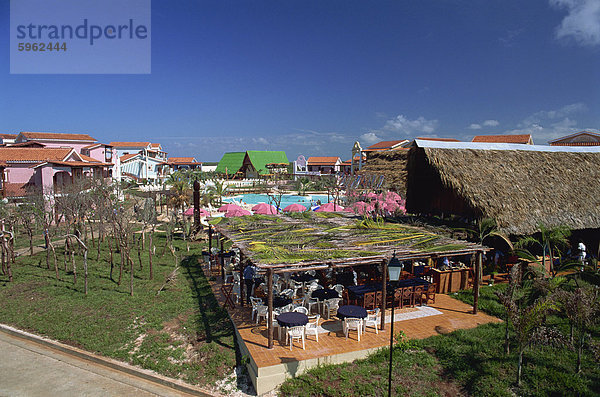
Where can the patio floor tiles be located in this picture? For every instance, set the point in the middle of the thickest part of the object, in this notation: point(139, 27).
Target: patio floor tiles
point(455, 315)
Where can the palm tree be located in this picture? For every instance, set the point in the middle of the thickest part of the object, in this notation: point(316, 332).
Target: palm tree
point(220, 189)
point(551, 240)
point(180, 192)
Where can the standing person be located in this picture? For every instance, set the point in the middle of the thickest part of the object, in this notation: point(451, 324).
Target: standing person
point(249, 273)
point(581, 248)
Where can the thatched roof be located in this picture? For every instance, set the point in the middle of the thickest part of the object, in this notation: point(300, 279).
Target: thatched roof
point(392, 165)
point(520, 188)
point(308, 239)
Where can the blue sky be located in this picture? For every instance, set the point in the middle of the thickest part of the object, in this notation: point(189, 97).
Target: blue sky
point(312, 77)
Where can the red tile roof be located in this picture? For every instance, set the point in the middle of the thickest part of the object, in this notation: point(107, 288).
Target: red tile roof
point(126, 157)
point(525, 138)
point(593, 139)
point(57, 136)
point(26, 144)
point(439, 139)
point(76, 164)
point(322, 160)
point(15, 189)
point(32, 155)
point(130, 144)
point(385, 145)
point(181, 160)
point(88, 158)
point(95, 145)
point(8, 136)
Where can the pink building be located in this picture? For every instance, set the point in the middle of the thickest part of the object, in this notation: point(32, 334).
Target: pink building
point(46, 169)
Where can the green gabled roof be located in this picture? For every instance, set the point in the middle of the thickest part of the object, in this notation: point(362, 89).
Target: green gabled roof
point(260, 159)
point(231, 162)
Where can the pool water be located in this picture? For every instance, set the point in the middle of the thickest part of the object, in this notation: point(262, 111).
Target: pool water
point(286, 199)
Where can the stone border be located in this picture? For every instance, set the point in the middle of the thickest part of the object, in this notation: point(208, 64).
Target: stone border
point(108, 362)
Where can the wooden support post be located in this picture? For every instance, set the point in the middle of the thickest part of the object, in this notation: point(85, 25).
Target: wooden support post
point(210, 240)
point(242, 283)
point(196, 205)
point(270, 304)
point(384, 277)
point(478, 262)
point(222, 260)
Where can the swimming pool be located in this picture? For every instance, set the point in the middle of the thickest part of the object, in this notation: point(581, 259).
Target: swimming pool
point(286, 199)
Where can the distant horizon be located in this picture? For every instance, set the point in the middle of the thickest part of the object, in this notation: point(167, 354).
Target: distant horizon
point(312, 77)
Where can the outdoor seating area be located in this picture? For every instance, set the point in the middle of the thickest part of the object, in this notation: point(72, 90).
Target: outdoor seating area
point(321, 287)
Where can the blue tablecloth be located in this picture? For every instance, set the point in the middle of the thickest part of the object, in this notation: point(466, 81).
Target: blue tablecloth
point(351, 311)
point(323, 294)
point(302, 278)
point(292, 319)
point(279, 301)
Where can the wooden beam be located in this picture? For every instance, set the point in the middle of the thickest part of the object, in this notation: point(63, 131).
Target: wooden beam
point(478, 264)
point(270, 304)
point(384, 277)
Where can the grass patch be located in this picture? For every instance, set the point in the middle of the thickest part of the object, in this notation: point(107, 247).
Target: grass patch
point(181, 333)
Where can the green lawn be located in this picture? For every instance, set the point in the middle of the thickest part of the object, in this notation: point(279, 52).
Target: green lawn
point(469, 362)
point(182, 332)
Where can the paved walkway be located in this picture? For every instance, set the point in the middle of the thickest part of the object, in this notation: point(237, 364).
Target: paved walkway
point(30, 369)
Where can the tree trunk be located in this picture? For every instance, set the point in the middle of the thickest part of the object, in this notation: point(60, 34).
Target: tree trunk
point(139, 252)
point(85, 270)
point(54, 256)
point(506, 337)
point(130, 275)
point(520, 368)
point(112, 263)
point(150, 255)
point(579, 349)
point(74, 266)
point(30, 233)
point(121, 267)
point(91, 231)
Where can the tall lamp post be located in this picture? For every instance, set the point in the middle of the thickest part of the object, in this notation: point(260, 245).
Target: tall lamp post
point(394, 269)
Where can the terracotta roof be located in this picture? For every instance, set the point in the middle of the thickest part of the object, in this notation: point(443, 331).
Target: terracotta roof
point(322, 160)
point(130, 144)
point(95, 145)
point(183, 160)
point(438, 139)
point(88, 158)
point(385, 145)
point(8, 136)
point(75, 164)
point(155, 145)
point(126, 157)
point(31, 155)
point(27, 144)
point(525, 138)
point(57, 136)
point(15, 189)
point(593, 139)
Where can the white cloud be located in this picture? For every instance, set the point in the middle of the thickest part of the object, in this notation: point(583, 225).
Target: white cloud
point(491, 123)
point(546, 125)
point(260, 141)
point(401, 124)
point(370, 138)
point(582, 23)
point(485, 123)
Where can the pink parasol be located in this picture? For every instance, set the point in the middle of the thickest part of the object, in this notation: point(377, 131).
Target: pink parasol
point(294, 208)
point(392, 196)
point(190, 212)
point(264, 209)
point(358, 207)
point(237, 212)
point(330, 207)
point(228, 207)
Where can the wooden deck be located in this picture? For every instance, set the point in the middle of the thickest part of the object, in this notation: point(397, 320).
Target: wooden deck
point(278, 363)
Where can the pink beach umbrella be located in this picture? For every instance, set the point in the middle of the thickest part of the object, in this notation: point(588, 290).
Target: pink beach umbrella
point(264, 209)
point(371, 195)
point(392, 196)
point(237, 212)
point(294, 208)
point(358, 207)
point(228, 207)
point(190, 212)
point(330, 207)
point(390, 206)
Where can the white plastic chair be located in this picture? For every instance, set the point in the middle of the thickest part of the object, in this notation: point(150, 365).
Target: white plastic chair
point(288, 293)
point(255, 302)
point(354, 324)
point(313, 326)
point(330, 306)
point(309, 302)
point(261, 311)
point(339, 288)
point(372, 320)
point(301, 309)
point(296, 333)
